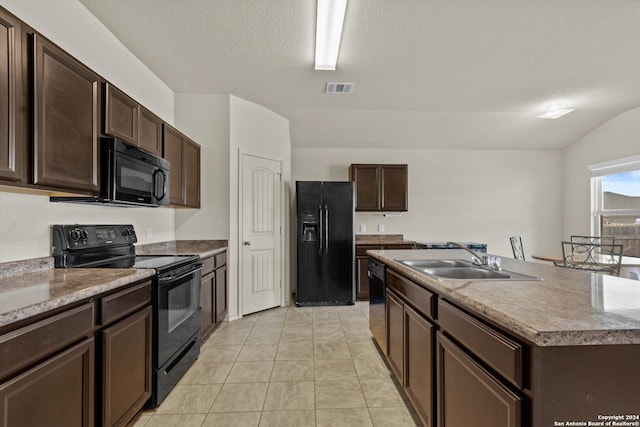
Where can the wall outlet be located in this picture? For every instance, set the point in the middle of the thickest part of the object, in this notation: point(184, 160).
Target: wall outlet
point(149, 233)
point(363, 228)
point(380, 228)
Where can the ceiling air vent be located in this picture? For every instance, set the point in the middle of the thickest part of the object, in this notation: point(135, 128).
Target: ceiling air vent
point(335, 87)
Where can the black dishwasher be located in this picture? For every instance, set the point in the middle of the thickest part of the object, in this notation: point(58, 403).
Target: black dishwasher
point(377, 297)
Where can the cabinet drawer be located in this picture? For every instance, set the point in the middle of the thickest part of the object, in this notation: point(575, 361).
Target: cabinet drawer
point(208, 265)
point(421, 299)
point(24, 346)
point(221, 259)
point(498, 351)
point(121, 303)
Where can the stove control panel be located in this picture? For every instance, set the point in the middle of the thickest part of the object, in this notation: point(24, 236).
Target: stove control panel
point(76, 237)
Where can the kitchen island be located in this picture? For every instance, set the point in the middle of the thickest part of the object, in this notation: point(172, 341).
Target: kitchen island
point(550, 352)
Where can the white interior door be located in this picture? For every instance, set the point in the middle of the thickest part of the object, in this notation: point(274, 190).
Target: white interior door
point(261, 253)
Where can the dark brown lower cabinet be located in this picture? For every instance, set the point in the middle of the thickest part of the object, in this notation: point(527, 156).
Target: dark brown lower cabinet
point(410, 338)
point(221, 293)
point(362, 265)
point(86, 365)
point(126, 368)
point(419, 336)
point(213, 294)
point(362, 278)
point(468, 395)
point(58, 392)
point(207, 295)
point(395, 333)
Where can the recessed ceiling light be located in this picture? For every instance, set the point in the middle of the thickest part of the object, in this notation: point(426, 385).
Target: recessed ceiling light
point(329, 20)
point(555, 111)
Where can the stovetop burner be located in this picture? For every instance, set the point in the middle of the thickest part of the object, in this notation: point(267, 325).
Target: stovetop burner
point(163, 262)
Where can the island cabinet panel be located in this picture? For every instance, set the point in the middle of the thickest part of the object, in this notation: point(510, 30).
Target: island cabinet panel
point(410, 352)
point(13, 98)
point(126, 368)
point(580, 383)
point(58, 392)
point(419, 338)
point(66, 120)
point(395, 334)
point(494, 348)
point(380, 187)
point(468, 395)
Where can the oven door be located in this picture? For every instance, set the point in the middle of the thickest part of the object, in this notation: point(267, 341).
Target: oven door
point(178, 310)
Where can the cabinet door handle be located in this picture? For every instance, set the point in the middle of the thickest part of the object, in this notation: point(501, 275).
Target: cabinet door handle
point(247, 243)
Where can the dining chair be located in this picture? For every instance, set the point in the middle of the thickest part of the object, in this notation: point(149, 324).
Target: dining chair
point(596, 257)
point(603, 240)
point(516, 247)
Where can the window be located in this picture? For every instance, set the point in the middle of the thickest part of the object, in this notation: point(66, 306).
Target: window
point(616, 201)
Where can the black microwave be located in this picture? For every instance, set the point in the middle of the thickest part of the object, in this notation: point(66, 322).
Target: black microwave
point(129, 176)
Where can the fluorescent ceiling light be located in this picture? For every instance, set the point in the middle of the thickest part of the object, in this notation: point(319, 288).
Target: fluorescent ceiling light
point(555, 111)
point(329, 20)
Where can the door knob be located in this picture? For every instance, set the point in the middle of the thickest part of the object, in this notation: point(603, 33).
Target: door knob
point(247, 243)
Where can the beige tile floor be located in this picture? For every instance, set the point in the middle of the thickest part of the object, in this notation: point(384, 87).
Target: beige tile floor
point(307, 366)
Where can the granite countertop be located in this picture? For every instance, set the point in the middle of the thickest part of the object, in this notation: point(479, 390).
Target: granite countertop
point(204, 248)
point(381, 239)
point(32, 287)
point(567, 307)
point(23, 295)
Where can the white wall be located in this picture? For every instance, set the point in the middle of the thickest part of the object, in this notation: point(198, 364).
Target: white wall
point(258, 131)
point(615, 139)
point(72, 27)
point(25, 218)
point(465, 195)
point(205, 119)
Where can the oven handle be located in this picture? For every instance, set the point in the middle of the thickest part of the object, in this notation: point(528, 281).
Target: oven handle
point(169, 277)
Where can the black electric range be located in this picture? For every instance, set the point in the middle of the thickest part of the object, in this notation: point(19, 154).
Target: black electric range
point(176, 292)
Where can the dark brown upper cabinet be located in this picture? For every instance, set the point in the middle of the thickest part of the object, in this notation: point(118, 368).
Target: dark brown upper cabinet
point(126, 119)
point(380, 187)
point(13, 100)
point(66, 120)
point(150, 132)
point(184, 155)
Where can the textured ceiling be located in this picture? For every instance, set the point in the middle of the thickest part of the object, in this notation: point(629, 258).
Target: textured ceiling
point(428, 73)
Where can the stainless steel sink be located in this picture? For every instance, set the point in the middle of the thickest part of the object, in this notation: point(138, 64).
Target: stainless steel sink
point(466, 273)
point(434, 263)
point(458, 269)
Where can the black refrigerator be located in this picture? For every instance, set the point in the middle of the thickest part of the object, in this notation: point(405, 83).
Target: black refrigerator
point(325, 242)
